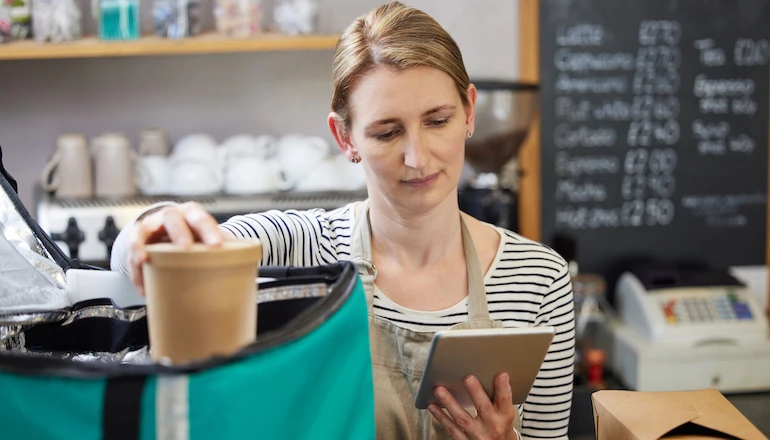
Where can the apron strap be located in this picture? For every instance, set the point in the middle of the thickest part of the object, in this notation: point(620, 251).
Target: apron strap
point(368, 282)
point(477, 293)
point(361, 254)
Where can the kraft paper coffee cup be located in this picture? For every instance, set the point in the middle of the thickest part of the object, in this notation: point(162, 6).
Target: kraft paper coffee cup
point(201, 301)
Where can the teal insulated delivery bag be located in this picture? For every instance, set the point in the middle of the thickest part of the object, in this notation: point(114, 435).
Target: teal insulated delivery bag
point(81, 369)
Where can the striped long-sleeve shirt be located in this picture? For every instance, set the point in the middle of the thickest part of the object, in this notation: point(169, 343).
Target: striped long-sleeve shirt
point(528, 284)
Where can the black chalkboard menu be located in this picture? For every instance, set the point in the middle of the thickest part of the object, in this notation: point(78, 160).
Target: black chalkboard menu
point(654, 129)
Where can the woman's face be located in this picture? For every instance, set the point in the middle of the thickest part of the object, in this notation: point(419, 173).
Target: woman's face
point(409, 128)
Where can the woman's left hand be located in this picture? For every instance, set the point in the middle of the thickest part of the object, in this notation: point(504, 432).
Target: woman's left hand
point(493, 420)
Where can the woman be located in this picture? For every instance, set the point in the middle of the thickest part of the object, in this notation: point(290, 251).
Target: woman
point(402, 108)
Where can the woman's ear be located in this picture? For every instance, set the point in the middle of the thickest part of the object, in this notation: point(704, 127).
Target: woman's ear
point(470, 110)
point(341, 135)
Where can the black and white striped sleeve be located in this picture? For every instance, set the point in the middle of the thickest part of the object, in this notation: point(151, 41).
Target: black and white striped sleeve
point(289, 238)
point(545, 414)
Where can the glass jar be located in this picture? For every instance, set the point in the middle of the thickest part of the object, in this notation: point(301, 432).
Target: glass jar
point(119, 20)
point(295, 16)
point(176, 18)
point(238, 18)
point(56, 20)
point(591, 327)
point(5, 21)
point(21, 19)
point(590, 305)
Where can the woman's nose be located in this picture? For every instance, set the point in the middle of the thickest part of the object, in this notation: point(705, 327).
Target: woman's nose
point(416, 154)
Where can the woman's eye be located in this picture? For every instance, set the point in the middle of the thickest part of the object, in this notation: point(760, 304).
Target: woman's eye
point(385, 136)
point(438, 122)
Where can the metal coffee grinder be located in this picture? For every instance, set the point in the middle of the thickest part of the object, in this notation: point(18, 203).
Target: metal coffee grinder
point(490, 181)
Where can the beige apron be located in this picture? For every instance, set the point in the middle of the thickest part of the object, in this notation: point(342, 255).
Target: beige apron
point(399, 355)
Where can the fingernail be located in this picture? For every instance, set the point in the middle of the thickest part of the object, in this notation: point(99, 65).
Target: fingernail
point(214, 239)
point(468, 380)
point(439, 392)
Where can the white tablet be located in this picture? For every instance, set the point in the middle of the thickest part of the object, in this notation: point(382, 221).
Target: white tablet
point(455, 354)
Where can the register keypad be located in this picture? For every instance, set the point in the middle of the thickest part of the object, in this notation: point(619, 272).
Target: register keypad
point(726, 307)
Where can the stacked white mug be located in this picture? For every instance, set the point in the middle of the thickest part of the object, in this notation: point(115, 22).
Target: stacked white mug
point(153, 165)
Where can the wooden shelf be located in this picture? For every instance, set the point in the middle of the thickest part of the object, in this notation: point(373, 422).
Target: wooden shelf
point(92, 47)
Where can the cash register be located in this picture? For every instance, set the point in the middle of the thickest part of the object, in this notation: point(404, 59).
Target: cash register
point(689, 329)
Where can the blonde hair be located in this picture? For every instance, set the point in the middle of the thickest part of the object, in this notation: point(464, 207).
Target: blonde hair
point(396, 37)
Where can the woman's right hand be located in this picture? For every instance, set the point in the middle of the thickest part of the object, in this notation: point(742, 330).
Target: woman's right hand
point(180, 224)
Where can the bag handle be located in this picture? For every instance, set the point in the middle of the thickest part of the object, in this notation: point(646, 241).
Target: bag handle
point(6, 174)
point(56, 253)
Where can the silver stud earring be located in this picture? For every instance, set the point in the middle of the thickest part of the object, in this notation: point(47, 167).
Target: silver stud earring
point(355, 159)
point(468, 134)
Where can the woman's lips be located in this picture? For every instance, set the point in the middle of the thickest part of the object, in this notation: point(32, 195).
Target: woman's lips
point(422, 182)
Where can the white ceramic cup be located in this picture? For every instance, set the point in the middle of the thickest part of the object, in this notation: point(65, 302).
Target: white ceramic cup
point(197, 146)
point(299, 154)
point(244, 145)
point(153, 142)
point(252, 175)
point(327, 175)
point(189, 176)
point(154, 175)
point(355, 176)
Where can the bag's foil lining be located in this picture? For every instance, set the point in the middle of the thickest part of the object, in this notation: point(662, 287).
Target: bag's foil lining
point(33, 318)
point(283, 293)
point(126, 315)
point(29, 278)
point(13, 326)
point(12, 338)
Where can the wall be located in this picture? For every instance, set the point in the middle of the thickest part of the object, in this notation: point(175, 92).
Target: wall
point(223, 94)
